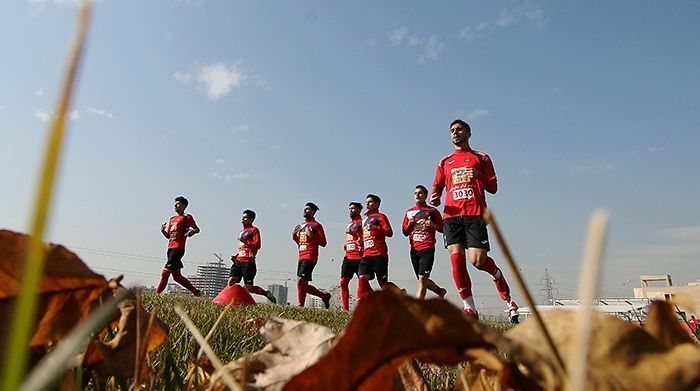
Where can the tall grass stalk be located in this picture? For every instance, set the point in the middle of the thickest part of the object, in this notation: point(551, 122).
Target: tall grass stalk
point(25, 306)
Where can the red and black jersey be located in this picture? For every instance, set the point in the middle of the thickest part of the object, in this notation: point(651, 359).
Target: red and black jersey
point(375, 230)
point(421, 231)
point(353, 240)
point(465, 197)
point(176, 228)
point(309, 235)
point(248, 244)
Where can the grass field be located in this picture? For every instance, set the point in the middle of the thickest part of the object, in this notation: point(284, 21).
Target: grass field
point(237, 335)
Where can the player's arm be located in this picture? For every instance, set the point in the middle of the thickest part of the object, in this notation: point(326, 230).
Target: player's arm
point(437, 220)
point(163, 231)
point(255, 242)
point(438, 186)
point(321, 236)
point(488, 176)
point(386, 227)
point(192, 227)
point(407, 225)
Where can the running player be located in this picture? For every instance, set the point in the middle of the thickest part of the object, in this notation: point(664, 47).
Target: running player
point(466, 174)
point(244, 260)
point(353, 252)
point(420, 223)
point(309, 236)
point(180, 227)
point(375, 254)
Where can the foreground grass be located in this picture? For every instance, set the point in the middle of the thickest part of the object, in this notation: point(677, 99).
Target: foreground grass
point(238, 334)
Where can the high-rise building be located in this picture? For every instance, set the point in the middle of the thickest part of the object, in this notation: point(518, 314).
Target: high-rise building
point(211, 278)
point(280, 292)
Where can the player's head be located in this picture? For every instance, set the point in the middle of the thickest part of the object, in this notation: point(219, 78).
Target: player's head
point(420, 193)
point(372, 202)
point(460, 132)
point(355, 208)
point(248, 217)
point(310, 210)
point(180, 204)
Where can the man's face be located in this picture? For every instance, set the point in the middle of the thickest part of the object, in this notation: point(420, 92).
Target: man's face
point(309, 212)
point(371, 204)
point(459, 134)
point(354, 211)
point(420, 195)
point(246, 220)
point(179, 207)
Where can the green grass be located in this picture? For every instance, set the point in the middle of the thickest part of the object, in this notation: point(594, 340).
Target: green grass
point(238, 334)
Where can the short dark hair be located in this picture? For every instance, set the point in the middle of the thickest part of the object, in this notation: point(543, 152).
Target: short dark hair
point(250, 214)
point(356, 205)
point(461, 122)
point(182, 200)
point(375, 198)
point(422, 188)
point(312, 206)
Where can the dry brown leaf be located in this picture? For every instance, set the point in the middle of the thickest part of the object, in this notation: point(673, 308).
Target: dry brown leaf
point(410, 377)
point(117, 356)
point(663, 325)
point(69, 289)
point(293, 346)
point(386, 330)
point(622, 356)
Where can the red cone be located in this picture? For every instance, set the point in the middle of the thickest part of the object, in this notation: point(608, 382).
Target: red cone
point(235, 294)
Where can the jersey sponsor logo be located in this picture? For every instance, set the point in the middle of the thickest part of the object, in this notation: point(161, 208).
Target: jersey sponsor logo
point(351, 247)
point(369, 243)
point(303, 247)
point(412, 213)
point(450, 161)
point(459, 175)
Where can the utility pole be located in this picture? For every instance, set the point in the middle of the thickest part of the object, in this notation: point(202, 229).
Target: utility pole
point(547, 290)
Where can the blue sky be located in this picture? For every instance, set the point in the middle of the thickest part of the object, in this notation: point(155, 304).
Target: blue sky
point(267, 105)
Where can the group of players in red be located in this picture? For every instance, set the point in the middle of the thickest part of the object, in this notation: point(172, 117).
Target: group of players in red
point(466, 175)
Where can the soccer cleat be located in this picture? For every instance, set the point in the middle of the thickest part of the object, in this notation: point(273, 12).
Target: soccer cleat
point(271, 297)
point(471, 314)
point(327, 301)
point(502, 287)
point(513, 314)
point(442, 292)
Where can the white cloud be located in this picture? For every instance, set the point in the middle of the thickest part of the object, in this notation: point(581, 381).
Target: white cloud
point(219, 79)
point(2, 107)
point(219, 161)
point(274, 147)
point(396, 36)
point(46, 116)
point(682, 233)
point(478, 114)
point(505, 19)
point(230, 175)
point(431, 50)
point(370, 43)
point(414, 41)
point(100, 112)
point(182, 77)
point(238, 129)
point(43, 116)
point(39, 92)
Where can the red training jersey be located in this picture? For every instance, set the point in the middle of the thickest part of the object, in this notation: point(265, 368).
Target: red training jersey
point(421, 232)
point(465, 196)
point(176, 228)
point(353, 240)
point(248, 244)
point(308, 236)
point(375, 230)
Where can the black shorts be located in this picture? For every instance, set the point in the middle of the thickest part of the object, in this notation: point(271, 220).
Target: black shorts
point(245, 270)
point(378, 265)
point(469, 231)
point(305, 269)
point(174, 259)
point(349, 268)
point(422, 261)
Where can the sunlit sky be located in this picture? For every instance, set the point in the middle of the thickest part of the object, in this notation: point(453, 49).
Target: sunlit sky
point(267, 105)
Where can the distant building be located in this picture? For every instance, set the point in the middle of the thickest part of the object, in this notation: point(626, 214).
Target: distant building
point(211, 278)
point(313, 301)
point(279, 291)
point(660, 287)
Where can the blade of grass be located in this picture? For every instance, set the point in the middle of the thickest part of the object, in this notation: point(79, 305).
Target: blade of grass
point(53, 364)
point(491, 220)
point(230, 382)
point(213, 328)
point(25, 305)
point(587, 291)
